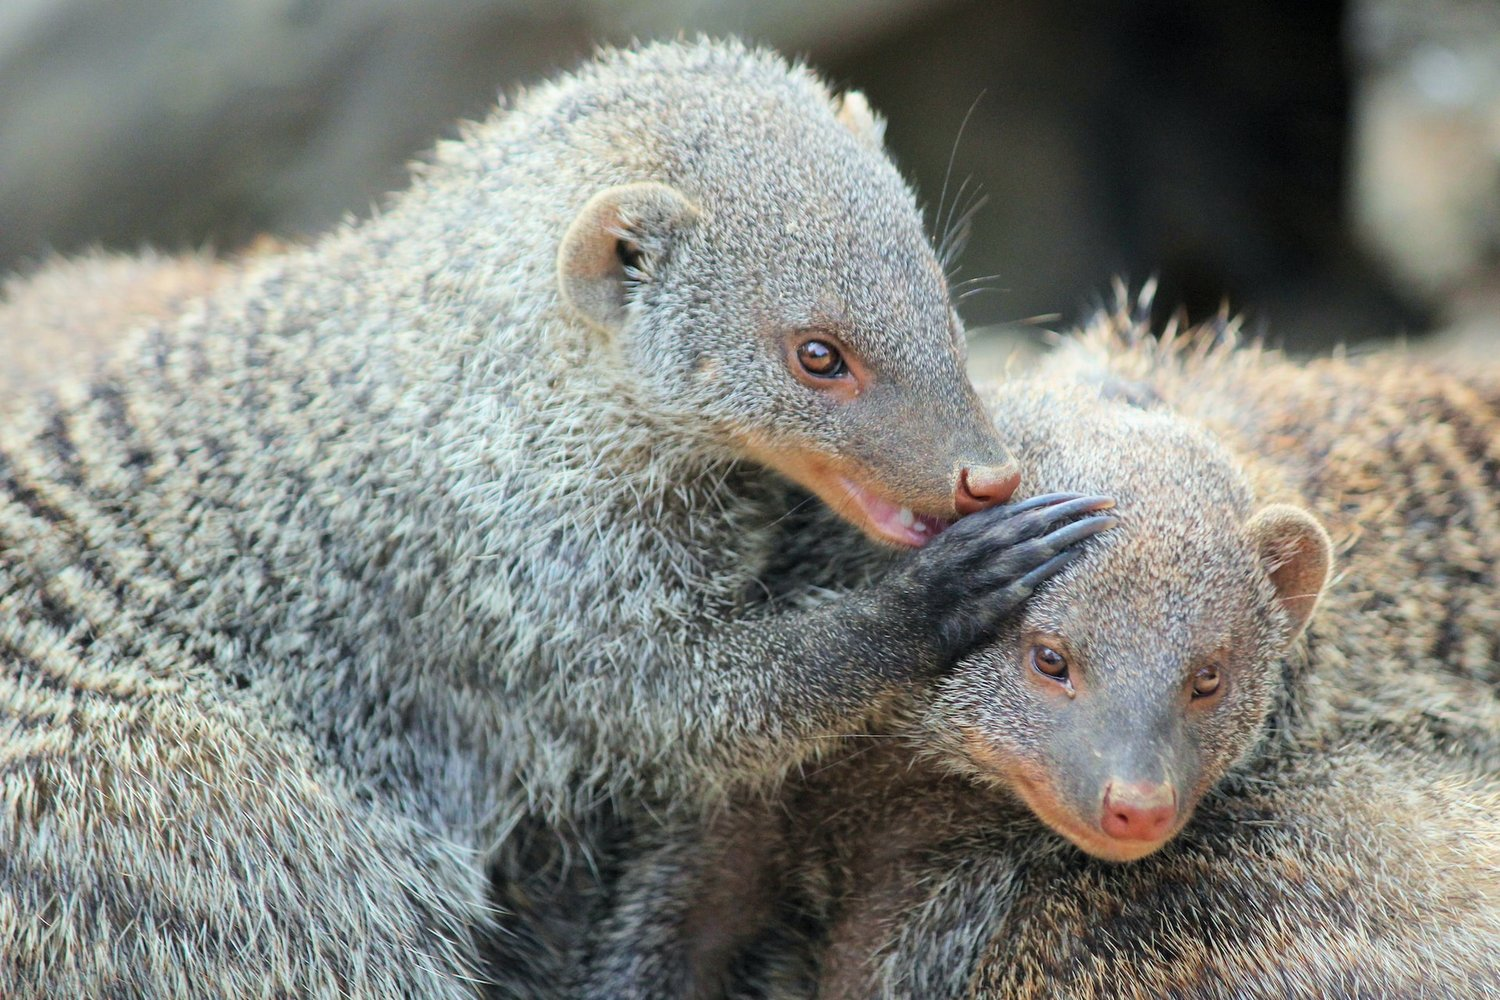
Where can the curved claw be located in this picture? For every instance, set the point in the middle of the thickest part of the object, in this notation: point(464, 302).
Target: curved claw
point(1047, 570)
point(1041, 500)
point(1039, 520)
point(1071, 534)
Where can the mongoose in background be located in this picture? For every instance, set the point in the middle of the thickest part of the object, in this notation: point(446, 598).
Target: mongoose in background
point(1109, 708)
point(1355, 852)
point(456, 521)
point(69, 317)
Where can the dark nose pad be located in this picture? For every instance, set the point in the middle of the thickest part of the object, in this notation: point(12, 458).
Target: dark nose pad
point(1138, 811)
point(983, 486)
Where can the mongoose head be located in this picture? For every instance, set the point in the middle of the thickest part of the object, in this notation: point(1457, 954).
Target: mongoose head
point(1138, 677)
point(762, 270)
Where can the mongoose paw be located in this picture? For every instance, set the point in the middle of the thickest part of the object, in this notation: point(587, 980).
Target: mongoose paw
point(981, 570)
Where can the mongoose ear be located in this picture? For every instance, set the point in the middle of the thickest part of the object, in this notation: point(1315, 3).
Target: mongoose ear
point(856, 115)
point(612, 246)
point(1297, 555)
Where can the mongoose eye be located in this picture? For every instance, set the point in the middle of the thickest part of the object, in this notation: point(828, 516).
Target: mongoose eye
point(1205, 681)
point(821, 359)
point(1049, 661)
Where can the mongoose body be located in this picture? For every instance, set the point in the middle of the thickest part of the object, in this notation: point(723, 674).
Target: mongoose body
point(1359, 854)
point(1353, 852)
point(1108, 713)
point(454, 524)
point(69, 317)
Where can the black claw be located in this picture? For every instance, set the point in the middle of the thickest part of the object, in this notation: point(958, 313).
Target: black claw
point(1040, 558)
point(1011, 530)
point(1083, 505)
point(1070, 534)
point(1028, 583)
point(1040, 500)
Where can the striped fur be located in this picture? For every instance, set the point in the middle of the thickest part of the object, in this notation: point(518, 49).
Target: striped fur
point(1354, 853)
point(359, 595)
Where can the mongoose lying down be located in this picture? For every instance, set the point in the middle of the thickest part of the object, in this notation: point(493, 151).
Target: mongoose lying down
point(1358, 853)
point(1353, 852)
point(1122, 693)
point(1354, 849)
point(456, 523)
point(72, 314)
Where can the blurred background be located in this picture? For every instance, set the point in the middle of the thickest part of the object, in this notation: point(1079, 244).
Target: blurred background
point(1331, 169)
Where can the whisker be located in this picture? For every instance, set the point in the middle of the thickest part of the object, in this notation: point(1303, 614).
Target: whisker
point(974, 281)
point(961, 229)
point(953, 154)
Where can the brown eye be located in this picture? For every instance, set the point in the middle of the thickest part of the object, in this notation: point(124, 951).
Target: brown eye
point(1205, 681)
point(821, 359)
point(1049, 661)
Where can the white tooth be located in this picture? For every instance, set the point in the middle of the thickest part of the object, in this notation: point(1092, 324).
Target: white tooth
point(907, 517)
point(920, 528)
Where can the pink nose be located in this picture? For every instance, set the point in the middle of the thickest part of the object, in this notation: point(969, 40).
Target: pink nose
point(983, 486)
point(1138, 810)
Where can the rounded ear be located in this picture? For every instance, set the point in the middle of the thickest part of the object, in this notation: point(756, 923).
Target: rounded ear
point(612, 245)
point(1298, 557)
point(856, 115)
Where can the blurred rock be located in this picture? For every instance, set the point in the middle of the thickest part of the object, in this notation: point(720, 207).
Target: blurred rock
point(1207, 144)
point(1204, 143)
point(180, 122)
point(1426, 165)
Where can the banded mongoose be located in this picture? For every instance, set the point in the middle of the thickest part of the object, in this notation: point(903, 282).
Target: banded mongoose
point(455, 522)
point(1107, 707)
point(68, 317)
point(1354, 853)
point(1359, 855)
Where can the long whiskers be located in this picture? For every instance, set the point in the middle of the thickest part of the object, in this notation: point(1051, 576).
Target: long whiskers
point(947, 249)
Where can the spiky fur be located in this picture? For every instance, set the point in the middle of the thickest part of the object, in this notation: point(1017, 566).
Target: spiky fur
point(1353, 853)
point(70, 316)
point(379, 570)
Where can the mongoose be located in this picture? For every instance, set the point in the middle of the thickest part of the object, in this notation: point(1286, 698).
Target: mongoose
point(1360, 855)
point(70, 316)
point(1354, 852)
point(1108, 708)
point(455, 523)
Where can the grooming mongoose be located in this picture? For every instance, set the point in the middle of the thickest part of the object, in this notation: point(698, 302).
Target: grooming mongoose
point(455, 523)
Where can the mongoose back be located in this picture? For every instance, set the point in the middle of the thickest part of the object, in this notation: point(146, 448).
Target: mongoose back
point(69, 317)
point(1120, 696)
point(455, 522)
point(1352, 853)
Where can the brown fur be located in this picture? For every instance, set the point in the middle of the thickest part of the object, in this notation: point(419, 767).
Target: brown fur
point(1354, 852)
point(70, 317)
point(1357, 854)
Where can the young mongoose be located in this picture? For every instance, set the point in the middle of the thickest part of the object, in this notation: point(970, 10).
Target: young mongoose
point(1120, 696)
point(1354, 852)
point(1359, 854)
point(455, 522)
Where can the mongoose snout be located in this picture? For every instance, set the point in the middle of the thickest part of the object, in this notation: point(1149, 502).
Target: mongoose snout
point(1139, 810)
point(984, 486)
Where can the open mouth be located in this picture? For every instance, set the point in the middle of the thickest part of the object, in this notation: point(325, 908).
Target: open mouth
point(891, 522)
